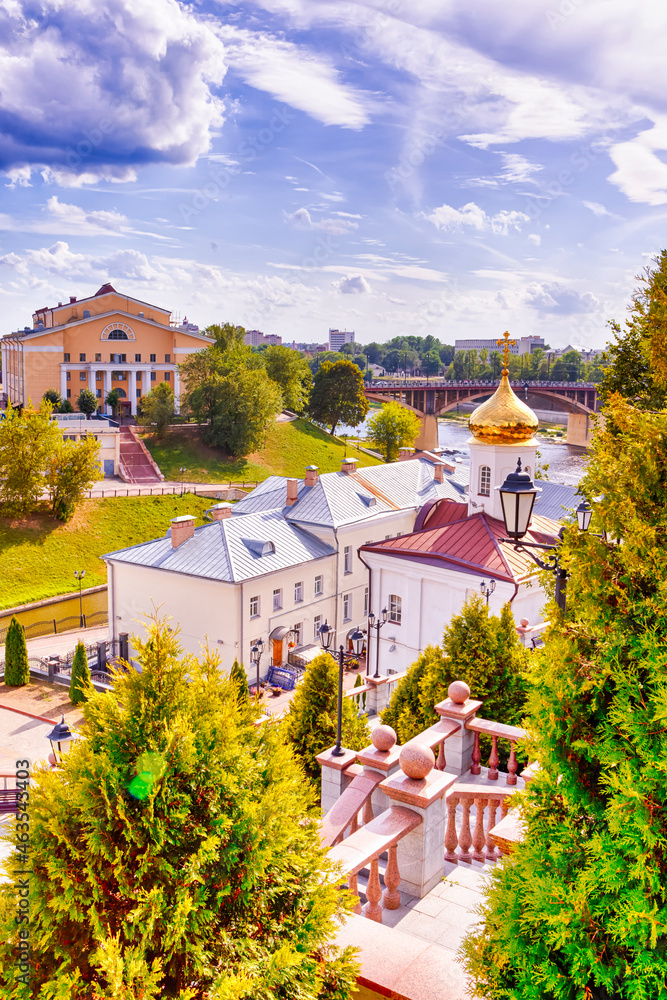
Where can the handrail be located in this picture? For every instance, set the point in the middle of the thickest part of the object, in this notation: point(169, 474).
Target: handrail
point(484, 799)
point(497, 731)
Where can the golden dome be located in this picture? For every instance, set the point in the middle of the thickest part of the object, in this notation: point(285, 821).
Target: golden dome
point(503, 419)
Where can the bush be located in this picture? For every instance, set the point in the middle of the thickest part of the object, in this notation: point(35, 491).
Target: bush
point(80, 677)
point(17, 669)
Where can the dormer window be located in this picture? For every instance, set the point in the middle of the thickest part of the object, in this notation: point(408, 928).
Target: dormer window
point(258, 547)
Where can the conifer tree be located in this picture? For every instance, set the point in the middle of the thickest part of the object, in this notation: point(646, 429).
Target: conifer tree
point(17, 668)
point(174, 854)
point(239, 677)
point(310, 724)
point(580, 907)
point(80, 676)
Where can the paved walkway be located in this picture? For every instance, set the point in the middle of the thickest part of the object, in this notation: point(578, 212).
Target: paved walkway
point(22, 738)
point(55, 645)
point(116, 487)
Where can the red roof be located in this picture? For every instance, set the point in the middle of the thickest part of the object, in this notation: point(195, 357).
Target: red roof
point(470, 543)
point(104, 290)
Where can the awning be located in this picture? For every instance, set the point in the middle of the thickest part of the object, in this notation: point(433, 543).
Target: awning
point(279, 633)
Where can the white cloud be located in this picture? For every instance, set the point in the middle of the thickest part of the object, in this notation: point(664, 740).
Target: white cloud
point(302, 219)
point(641, 174)
point(554, 297)
point(471, 215)
point(96, 220)
point(517, 169)
point(352, 284)
point(596, 208)
point(535, 239)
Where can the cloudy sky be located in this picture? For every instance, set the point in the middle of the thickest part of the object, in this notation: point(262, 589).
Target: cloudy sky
point(432, 166)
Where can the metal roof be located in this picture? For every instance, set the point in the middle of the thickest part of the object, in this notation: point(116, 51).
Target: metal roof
point(555, 498)
point(231, 550)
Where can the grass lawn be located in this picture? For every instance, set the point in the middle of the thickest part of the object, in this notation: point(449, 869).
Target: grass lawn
point(39, 555)
point(289, 448)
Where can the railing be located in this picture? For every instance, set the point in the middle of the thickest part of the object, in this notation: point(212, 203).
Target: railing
point(52, 626)
point(484, 800)
point(497, 731)
point(532, 635)
point(169, 489)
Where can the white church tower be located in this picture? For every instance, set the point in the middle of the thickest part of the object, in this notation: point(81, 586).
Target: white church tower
point(503, 431)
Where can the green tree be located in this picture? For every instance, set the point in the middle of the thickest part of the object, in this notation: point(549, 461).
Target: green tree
point(248, 401)
point(26, 441)
point(175, 853)
point(53, 397)
point(65, 407)
point(239, 678)
point(72, 468)
point(17, 668)
point(430, 363)
point(87, 401)
point(310, 724)
point(337, 395)
point(291, 373)
point(374, 352)
point(392, 361)
point(112, 399)
point(393, 427)
point(579, 909)
point(157, 409)
point(226, 335)
point(80, 676)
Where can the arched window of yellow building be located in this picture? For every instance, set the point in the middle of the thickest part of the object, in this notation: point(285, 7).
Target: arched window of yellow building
point(117, 335)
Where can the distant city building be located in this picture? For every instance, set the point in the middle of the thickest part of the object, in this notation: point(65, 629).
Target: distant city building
point(587, 353)
point(525, 345)
point(339, 337)
point(255, 338)
point(311, 348)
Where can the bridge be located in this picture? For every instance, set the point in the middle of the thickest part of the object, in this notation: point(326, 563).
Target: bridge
point(430, 398)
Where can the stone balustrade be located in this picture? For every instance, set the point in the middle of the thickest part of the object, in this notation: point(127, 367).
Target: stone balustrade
point(485, 801)
point(497, 731)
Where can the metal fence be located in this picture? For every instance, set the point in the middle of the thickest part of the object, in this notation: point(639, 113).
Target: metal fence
point(52, 626)
point(170, 490)
point(58, 669)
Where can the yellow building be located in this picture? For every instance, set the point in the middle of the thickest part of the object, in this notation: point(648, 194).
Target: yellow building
point(107, 341)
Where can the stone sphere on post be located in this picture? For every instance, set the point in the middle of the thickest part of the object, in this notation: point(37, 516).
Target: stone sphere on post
point(416, 760)
point(383, 738)
point(459, 692)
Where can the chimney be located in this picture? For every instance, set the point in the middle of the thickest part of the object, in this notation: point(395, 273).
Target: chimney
point(72, 298)
point(404, 453)
point(438, 471)
point(311, 475)
point(220, 512)
point(182, 528)
point(59, 304)
point(348, 466)
point(292, 491)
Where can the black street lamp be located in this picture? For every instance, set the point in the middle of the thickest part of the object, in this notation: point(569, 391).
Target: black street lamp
point(59, 737)
point(326, 641)
point(377, 625)
point(79, 575)
point(256, 656)
point(182, 470)
point(487, 591)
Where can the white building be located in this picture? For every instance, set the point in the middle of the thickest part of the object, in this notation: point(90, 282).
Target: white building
point(74, 426)
point(255, 338)
point(525, 345)
point(339, 337)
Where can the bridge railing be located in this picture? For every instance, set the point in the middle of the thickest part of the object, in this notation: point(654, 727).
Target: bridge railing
point(440, 383)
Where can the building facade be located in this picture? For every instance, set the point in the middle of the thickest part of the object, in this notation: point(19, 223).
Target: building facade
point(74, 426)
point(525, 345)
point(255, 338)
point(339, 337)
point(104, 342)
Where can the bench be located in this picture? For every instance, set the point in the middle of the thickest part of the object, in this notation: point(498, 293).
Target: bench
point(9, 800)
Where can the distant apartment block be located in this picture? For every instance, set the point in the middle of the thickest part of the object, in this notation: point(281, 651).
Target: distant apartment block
point(255, 338)
point(339, 337)
point(524, 345)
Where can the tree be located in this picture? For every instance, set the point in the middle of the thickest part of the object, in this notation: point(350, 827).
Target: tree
point(26, 441)
point(579, 907)
point(53, 397)
point(157, 408)
point(71, 468)
point(80, 676)
point(87, 401)
point(248, 401)
point(392, 361)
point(179, 844)
point(17, 668)
point(430, 363)
point(239, 678)
point(393, 427)
point(291, 373)
point(310, 724)
point(226, 335)
point(113, 398)
point(65, 407)
point(337, 395)
point(374, 352)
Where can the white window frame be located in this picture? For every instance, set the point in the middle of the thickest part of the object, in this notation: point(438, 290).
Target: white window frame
point(319, 586)
point(484, 481)
point(347, 559)
point(317, 621)
point(366, 602)
point(255, 602)
point(298, 633)
point(278, 599)
point(395, 609)
point(298, 592)
point(347, 607)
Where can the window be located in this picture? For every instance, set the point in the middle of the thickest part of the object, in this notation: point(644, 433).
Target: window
point(298, 593)
point(254, 607)
point(167, 376)
point(317, 621)
point(296, 633)
point(319, 586)
point(365, 602)
point(98, 393)
point(153, 376)
point(69, 376)
point(82, 357)
point(65, 357)
point(395, 609)
point(118, 359)
point(152, 357)
point(387, 537)
point(138, 376)
point(167, 358)
point(347, 559)
point(98, 376)
point(69, 392)
point(277, 599)
point(137, 357)
point(83, 376)
point(347, 607)
point(117, 335)
point(98, 357)
point(485, 481)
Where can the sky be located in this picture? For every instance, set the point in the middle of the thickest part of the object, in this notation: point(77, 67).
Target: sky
point(426, 167)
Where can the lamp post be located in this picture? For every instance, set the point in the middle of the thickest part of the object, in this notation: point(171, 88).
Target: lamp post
point(256, 656)
point(79, 575)
point(60, 735)
point(326, 641)
point(182, 471)
point(487, 591)
point(377, 625)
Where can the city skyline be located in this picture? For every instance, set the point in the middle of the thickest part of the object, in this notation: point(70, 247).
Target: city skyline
point(299, 166)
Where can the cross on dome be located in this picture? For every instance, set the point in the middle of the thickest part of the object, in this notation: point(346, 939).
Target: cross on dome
point(505, 343)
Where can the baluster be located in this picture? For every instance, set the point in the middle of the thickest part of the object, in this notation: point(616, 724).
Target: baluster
point(354, 825)
point(373, 910)
point(490, 823)
point(354, 889)
point(465, 840)
point(391, 898)
point(451, 836)
point(441, 763)
point(478, 832)
point(504, 806)
point(476, 756)
point(368, 811)
point(512, 765)
point(493, 760)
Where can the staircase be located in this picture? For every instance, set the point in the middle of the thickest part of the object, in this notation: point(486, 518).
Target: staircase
point(136, 465)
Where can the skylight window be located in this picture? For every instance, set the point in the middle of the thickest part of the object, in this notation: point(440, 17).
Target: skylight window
point(259, 547)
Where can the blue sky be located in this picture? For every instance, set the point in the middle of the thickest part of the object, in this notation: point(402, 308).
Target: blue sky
point(438, 167)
